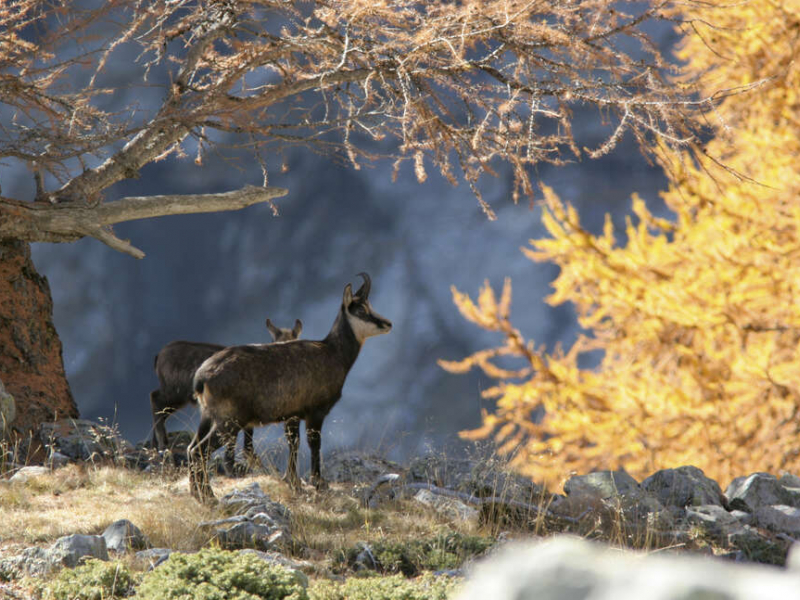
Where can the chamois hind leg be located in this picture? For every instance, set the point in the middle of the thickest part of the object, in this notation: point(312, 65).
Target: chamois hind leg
point(314, 437)
point(160, 414)
point(199, 451)
point(292, 429)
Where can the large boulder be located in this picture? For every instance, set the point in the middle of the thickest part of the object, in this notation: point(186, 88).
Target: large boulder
point(123, 536)
point(759, 489)
point(70, 550)
point(684, 486)
point(79, 439)
point(356, 467)
point(603, 484)
point(569, 568)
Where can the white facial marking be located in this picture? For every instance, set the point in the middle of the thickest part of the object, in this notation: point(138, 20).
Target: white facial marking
point(364, 329)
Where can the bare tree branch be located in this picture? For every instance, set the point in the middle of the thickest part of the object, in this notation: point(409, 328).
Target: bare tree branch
point(42, 222)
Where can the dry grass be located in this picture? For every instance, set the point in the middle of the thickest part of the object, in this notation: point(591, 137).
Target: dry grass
point(81, 499)
point(86, 499)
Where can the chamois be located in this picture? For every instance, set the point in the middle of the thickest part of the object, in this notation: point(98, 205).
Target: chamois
point(175, 365)
point(245, 386)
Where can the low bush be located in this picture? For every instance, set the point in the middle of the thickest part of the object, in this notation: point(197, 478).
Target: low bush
point(93, 580)
point(212, 574)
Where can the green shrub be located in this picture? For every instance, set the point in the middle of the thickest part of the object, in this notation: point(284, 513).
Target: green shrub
point(221, 575)
point(442, 552)
point(93, 580)
point(393, 587)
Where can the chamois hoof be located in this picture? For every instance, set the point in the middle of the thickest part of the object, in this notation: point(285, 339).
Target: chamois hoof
point(293, 482)
point(320, 484)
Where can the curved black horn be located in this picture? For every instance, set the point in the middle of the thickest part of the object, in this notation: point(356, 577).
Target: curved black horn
point(363, 291)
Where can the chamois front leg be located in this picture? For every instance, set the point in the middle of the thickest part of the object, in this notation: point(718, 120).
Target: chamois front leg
point(292, 429)
point(160, 414)
point(314, 437)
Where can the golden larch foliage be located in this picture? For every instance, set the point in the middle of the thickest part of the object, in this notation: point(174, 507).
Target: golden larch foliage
point(698, 317)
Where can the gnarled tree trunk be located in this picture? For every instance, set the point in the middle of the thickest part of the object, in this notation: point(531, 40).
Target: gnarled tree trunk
point(31, 364)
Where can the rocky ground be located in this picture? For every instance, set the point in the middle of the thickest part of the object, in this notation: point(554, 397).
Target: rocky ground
point(446, 525)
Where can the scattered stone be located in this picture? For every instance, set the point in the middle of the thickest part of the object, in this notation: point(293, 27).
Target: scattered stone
point(68, 551)
point(155, 556)
point(604, 484)
point(790, 481)
point(80, 439)
point(355, 467)
point(714, 520)
point(56, 459)
point(276, 558)
point(684, 486)
point(257, 521)
point(122, 536)
point(480, 478)
point(570, 568)
point(757, 490)
point(26, 473)
point(779, 518)
point(754, 547)
point(449, 507)
point(31, 562)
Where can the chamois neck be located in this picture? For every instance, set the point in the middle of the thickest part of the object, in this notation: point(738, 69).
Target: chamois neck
point(343, 338)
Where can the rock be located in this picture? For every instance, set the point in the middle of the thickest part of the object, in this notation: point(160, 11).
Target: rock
point(603, 484)
point(480, 478)
point(31, 562)
point(714, 520)
point(57, 459)
point(68, 551)
point(757, 490)
point(80, 439)
point(754, 547)
point(779, 518)
point(449, 507)
point(8, 411)
point(684, 486)
point(154, 556)
point(26, 473)
point(567, 568)
point(355, 467)
point(790, 481)
point(276, 558)
point(257, 521)
point(122, 536)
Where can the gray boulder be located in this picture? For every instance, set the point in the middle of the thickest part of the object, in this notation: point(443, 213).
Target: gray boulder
point(154, 556)
point(568, 568)
point(603, 484)
point(779, 518)
point(356, 467)
point(451, 508)
point(752, 546)
point(25, 473)
point(480, 478)
point(122, 536)
point(684, 486)
point(68, 551)
point(717, 522)
point(759, 489)
point(256, 521)
point(80, 439)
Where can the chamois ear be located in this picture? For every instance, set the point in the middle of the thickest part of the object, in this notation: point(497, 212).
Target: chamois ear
point(272, 329)
point(347, 297)
point(298, 328)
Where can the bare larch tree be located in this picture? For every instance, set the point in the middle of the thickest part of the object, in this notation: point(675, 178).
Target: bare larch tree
point(457, 86)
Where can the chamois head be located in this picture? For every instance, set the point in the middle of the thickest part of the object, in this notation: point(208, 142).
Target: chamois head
point(284, 334)
point(363, 320)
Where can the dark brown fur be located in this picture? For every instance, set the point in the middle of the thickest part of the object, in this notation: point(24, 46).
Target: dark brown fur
point(175, 366)
point(246, 386)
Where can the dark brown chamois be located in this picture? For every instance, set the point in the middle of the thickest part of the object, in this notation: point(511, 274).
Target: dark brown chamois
point(175, 366)
point(246, 386)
